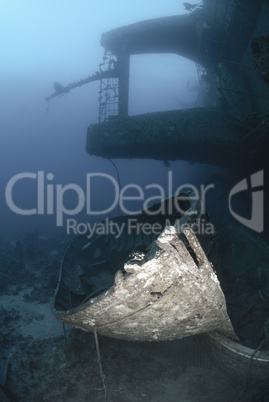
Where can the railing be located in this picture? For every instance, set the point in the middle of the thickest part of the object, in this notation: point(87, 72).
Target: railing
point(109, 89)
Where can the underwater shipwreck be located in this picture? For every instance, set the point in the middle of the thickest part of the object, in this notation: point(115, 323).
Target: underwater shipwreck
point(176, 284)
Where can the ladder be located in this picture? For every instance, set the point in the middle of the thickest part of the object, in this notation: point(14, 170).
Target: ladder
point(109, 89)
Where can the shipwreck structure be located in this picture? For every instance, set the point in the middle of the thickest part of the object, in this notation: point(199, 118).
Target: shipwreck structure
point(144, 285)
point(228, 41)
point(152, 288)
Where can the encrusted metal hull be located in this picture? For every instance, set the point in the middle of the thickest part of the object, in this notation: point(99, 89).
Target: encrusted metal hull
point(159, 290)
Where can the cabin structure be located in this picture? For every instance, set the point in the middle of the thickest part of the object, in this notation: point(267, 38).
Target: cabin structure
point(228, 41)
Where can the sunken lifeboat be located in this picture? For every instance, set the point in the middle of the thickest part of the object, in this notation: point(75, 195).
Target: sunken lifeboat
point(144, 285)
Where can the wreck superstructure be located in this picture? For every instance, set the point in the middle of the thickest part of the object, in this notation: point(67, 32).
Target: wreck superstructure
point(228, 41)
point(218, 36)
point(118, 289)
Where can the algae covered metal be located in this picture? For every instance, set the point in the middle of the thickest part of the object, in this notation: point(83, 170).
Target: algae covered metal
point(143, 288)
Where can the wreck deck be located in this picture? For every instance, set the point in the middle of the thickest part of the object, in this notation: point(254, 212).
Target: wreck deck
point(197, 135)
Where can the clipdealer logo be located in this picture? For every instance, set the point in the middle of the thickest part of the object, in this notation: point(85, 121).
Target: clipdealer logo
point(51, 198)
point(256, 221)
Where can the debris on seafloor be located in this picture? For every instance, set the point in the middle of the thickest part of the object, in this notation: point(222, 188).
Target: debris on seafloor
point(245, 282)
point(163, 290)
point(244, 259)
point(5, 394)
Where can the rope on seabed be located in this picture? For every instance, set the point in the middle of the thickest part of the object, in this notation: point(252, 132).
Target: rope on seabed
point(99, 361)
